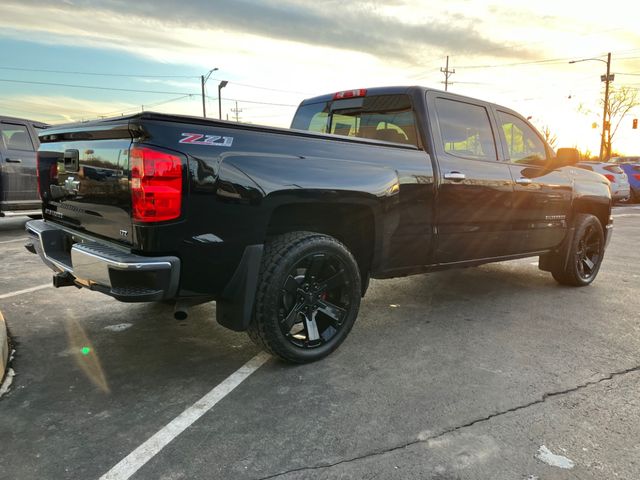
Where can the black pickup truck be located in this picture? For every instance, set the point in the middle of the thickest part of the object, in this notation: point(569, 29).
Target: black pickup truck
point(18, 185)
point(283, 228)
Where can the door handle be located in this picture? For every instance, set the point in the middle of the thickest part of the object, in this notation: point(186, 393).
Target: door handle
point(13, 160)
point(524, 181)
point(455, 176)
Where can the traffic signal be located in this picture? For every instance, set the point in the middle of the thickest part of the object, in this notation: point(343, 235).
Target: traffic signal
point(635, 123)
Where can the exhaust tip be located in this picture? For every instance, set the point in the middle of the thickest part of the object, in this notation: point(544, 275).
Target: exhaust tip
point(180, 314)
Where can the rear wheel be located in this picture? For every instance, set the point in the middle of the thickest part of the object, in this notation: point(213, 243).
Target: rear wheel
point(586, 251)
point(308, 297)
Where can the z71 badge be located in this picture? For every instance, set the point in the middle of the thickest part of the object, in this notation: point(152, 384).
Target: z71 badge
point(210, 140)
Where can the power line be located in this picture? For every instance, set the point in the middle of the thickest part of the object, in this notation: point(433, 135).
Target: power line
point(151, 105)
point(263, 88)
point(132, 75)
point(255, 102)
point(515, 64)
point(95, 87)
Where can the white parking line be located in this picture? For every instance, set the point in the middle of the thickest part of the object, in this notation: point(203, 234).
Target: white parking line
point(26, 290)
point(149, 449)
point(626, 215)
point(14, 240)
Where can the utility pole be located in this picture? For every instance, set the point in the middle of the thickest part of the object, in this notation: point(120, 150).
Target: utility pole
point(605, 139)
point(447, 74)
point(605, 144)
point(204, 108)
point(237, 111)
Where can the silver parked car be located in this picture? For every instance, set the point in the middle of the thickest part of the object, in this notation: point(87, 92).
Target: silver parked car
point(618, 180)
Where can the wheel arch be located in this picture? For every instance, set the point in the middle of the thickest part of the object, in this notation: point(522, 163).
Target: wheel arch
point(601, 210)
point(352, 223)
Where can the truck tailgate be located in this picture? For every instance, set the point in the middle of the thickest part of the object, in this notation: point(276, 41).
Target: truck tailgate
point(85, 184)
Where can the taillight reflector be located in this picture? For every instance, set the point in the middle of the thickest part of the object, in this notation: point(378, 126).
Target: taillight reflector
point(156, 185)
point(361, 92)
point(610, 177)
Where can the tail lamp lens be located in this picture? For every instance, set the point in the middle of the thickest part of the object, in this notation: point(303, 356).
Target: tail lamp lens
point(156, 185)
point(610, 177)
point(52, 171)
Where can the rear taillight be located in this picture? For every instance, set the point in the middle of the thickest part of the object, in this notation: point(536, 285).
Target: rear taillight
point(361, 92)
point(636, 176)
point(156, 185)
point(52, 172)
point(610, 177)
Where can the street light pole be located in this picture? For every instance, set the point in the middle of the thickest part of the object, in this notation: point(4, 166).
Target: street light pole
point(203, 80)
point(605, 122)
point(221, 85)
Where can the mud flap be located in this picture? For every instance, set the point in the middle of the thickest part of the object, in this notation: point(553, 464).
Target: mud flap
point(557, 260)
point(235, 306)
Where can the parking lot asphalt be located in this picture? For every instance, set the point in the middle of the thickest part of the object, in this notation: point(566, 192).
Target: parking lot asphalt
point(490, 372)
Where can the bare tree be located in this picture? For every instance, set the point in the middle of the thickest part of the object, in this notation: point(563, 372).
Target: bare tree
point(549, 136)
point(621, 101)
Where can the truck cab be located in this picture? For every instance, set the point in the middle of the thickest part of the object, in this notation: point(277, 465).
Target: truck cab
point(18, 179)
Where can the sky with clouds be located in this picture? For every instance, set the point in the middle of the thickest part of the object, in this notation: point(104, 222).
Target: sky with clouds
point(54, 55)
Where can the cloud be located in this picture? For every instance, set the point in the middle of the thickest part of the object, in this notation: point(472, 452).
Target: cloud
point(59, 108)
point(361, 26)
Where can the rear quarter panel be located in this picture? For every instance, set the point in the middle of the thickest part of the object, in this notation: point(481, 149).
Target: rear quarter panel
point(236, 184)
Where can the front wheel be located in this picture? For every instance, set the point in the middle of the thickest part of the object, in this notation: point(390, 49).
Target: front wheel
point(308, 297)
point(586, 251)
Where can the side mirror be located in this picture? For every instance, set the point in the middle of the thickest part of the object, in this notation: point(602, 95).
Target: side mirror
point(567, 156)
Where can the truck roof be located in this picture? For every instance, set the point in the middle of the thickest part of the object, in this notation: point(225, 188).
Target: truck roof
point(393, 90)
point(35, 123)
point(399, 90)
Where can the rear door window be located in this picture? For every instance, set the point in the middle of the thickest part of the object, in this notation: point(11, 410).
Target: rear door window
point(379, 117)
point(16, 137)
point(465, 130)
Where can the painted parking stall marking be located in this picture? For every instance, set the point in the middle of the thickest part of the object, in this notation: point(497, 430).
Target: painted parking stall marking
point(26, 290)
point(149, 449)
point(13, 240)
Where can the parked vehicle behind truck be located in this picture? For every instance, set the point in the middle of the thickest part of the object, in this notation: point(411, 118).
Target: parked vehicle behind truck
point(284, 228)
point(18, 183)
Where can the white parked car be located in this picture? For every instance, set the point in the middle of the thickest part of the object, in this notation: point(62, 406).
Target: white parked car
point(619, 182)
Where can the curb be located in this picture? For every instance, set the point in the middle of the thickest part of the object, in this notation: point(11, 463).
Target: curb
point(4, 347)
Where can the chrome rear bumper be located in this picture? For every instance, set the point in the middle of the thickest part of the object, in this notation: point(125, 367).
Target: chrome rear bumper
point(104, 267)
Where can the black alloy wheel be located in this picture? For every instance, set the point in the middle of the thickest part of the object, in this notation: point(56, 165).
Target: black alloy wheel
point(314, 300)
point(588, 253)
point(579, 262)
point(308, 296)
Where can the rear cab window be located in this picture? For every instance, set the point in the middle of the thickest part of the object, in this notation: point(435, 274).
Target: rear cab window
point(379, 117)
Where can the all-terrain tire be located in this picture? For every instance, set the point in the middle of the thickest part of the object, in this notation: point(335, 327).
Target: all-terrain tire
point(289, 253)
point(586, 250)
